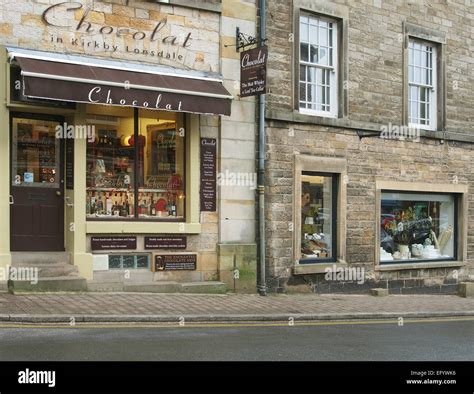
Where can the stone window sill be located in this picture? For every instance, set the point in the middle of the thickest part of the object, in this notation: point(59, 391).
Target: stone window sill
point(142, 228)
point(316, 268)
point(408, 266)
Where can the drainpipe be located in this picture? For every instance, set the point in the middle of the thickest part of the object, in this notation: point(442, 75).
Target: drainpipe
point(261, 285)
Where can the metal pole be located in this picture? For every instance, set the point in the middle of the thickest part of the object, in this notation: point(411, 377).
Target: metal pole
point(261, 286)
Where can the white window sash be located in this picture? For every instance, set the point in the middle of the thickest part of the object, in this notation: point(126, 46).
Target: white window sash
point(333, 76)
point(432, 92)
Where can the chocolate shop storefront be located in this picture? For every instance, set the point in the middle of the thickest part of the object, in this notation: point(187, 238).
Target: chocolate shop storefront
point(110, 133)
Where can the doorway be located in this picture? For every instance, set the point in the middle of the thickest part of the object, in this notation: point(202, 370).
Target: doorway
point(36, 184)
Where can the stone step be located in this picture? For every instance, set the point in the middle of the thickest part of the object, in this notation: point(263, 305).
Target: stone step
point(204, 287)
point(209, 287)
point(47, 284)
point(153, 287)
point(48, 270)
point(40, 258)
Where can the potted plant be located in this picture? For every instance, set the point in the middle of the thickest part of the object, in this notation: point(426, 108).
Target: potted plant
point(406, 227)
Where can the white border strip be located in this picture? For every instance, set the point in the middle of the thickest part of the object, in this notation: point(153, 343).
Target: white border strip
point(126, 66)
point(123, 85)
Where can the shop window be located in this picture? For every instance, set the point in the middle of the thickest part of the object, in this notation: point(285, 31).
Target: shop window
point(417, 227)
point(318, 217)
point(129, 261)
point(135, 164)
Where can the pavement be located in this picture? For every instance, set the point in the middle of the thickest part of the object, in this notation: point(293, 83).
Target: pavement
point(174, 308)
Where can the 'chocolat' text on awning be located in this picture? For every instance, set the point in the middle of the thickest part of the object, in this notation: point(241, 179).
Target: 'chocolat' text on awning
point(97, 84)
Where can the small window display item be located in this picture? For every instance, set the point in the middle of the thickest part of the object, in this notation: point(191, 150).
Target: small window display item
point(28, 177)
point(385, 255)
point(429, 252)
point(416, 250)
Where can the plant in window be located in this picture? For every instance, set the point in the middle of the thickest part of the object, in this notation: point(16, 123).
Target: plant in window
point(407, 227)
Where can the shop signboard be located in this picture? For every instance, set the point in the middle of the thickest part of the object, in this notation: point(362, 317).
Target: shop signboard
point(174, 262)
point(166, 242)
point(114, 243)
point(253, 72)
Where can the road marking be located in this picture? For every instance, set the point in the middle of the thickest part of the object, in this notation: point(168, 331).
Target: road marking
point(230, 325)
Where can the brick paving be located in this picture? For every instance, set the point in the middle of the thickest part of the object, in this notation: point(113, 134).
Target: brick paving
point(133, 304)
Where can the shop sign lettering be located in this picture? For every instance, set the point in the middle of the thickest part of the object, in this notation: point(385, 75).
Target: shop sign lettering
point(87, 27)
point(96, 96)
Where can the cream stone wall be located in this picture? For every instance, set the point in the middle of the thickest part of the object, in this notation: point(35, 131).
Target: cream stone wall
point(195, 40)
point(237, 222)
point(190, 36)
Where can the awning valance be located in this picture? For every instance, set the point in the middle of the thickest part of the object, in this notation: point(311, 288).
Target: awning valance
point(91, 83)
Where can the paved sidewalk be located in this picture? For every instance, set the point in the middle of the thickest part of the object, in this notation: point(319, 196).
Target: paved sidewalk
point(130, 307)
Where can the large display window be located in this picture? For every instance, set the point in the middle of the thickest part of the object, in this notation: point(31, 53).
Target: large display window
point(417, 227)
point(135, 164)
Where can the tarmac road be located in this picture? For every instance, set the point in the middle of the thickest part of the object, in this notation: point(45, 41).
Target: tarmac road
point(419, 340)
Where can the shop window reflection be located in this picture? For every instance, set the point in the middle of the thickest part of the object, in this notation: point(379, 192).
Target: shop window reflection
point(161, 169)
point(135, 169)
point(417, 227)
point(110, 164)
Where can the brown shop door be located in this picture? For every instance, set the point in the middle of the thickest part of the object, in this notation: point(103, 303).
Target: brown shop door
point(37, 185)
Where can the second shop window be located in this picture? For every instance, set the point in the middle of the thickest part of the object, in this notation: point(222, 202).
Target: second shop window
point(135, 165)
point(318, 217)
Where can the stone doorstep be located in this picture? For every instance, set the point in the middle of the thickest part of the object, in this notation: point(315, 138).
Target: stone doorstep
point(49, 284)
point(34, 258)
point(50, 270)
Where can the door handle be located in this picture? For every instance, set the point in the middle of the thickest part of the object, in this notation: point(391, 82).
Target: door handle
point(12, 200)
point(58, 193)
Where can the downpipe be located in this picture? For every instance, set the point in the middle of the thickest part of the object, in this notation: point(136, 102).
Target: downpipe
point(261, 284)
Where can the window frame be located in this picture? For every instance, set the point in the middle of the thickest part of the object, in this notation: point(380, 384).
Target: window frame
point(334, 94)
point(135, 258)
point(334, 215)
point(136, 188)
point(433, 88)
point(456, 231)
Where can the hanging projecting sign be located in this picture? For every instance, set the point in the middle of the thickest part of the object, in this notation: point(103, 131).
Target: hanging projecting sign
point(253, 72)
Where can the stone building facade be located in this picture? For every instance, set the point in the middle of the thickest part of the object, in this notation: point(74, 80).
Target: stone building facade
point(342, 125)
point(176, 38)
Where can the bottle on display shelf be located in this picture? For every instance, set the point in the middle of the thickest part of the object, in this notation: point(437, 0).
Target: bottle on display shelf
point(108, 204)
point(142, 208)
point(153, 207)
point(131, 206)
point(100, 205)
point(88, 204)
point(148, 207)
point(126, 208)
point(93, 202)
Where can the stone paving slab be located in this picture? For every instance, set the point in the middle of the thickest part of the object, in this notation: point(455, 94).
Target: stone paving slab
point(197, 307)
